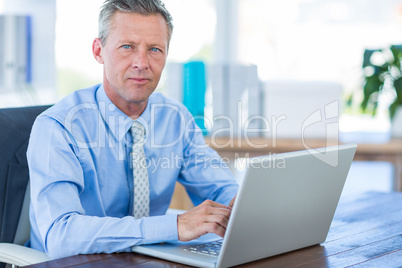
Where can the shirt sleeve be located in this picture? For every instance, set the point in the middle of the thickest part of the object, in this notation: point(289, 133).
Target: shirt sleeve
point(205, 175)
point(57, 217)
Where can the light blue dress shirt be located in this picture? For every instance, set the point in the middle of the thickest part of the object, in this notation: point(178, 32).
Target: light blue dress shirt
point(82, 182)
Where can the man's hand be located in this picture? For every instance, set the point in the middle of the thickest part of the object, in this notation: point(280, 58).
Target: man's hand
point(231, 204)
point(208, 217)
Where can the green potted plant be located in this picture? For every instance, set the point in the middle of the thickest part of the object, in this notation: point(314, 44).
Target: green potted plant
point(383, 75)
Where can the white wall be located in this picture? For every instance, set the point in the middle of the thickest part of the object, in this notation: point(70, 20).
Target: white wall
point(43, 14)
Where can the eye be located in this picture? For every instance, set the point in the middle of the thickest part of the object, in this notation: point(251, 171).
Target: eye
point(154, 49)
point(126, 46)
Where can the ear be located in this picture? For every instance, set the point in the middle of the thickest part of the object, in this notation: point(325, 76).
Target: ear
point(97, 50)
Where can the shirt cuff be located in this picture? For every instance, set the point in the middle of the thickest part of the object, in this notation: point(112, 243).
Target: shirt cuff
point(160, 229)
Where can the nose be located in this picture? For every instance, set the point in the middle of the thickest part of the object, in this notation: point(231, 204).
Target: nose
point(140, 60)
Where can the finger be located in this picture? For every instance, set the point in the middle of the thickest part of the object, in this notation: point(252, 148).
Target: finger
point(209, 217)
point(206, 214)
point(219, 219)
point(213, 204)
point(232, 201)
point(212, 211)
point(215, 228)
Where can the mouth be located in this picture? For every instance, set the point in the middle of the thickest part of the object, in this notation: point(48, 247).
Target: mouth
point(139, 80)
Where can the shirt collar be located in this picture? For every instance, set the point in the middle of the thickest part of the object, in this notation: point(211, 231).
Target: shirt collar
point(117, 121)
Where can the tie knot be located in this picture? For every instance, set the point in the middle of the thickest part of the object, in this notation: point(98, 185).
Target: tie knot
point(137, 131)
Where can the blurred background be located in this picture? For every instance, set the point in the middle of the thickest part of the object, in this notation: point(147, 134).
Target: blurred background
point(303, 54)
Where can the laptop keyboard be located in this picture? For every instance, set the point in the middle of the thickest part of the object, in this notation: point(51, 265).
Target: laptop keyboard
point(209, 249)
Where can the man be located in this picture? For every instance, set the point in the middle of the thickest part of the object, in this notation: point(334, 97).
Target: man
point(107, 153)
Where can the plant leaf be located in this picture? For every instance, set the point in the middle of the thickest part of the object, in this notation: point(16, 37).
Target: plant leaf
point(398, 99)
point(372, 85)
point(349, 100)
point(398, 89)
point(392, 109)
point(397, 53)
point(367, 57)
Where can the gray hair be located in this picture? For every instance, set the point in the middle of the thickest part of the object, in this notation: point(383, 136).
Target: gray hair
point(143, 7)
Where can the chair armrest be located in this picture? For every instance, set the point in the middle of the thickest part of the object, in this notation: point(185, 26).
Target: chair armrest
point(20, 255)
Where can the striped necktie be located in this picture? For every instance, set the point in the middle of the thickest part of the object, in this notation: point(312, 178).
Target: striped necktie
point(140, 172)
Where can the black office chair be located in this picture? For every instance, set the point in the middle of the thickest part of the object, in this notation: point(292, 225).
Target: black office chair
point(15, 128)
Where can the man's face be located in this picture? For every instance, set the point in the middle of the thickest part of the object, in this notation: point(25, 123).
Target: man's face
point(134, 56)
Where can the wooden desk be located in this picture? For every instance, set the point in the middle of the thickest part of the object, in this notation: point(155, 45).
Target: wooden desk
point(240, 147)
point(365, 232)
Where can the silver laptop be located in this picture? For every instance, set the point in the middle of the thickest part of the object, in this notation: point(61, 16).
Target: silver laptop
point(285, 202)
